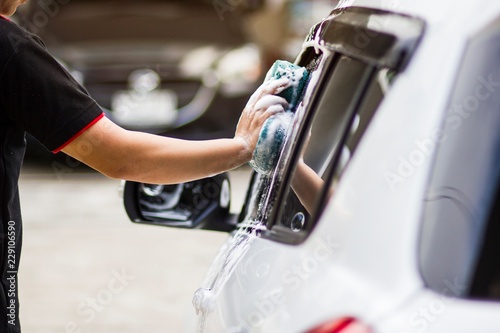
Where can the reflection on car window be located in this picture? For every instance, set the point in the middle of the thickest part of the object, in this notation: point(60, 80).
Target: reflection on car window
point(459, 243)
point(377, 88)
point(346, 106)
point(334, 111)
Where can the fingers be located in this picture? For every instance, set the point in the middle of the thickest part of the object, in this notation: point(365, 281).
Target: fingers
point(274, 109)
point(270, 87)
point(275, 86)
point(263, 104)
point(268, 101)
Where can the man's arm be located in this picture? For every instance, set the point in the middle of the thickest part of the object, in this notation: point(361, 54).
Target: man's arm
point(123, 154)
point(307, 185)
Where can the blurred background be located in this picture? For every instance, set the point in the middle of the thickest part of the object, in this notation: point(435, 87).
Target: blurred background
point(182, 68)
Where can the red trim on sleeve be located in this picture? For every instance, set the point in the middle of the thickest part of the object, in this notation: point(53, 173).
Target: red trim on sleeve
point(5, 18)
point(79, 133)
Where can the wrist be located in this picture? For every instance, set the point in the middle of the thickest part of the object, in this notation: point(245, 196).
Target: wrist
point(245, 151)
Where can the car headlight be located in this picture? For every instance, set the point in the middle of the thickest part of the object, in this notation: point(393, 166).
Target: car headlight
point(239, 70)
point(198, 61)
point(144, 80)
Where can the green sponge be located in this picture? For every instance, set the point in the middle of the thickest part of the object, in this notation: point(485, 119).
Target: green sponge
point(274, 131)
point(298, 77)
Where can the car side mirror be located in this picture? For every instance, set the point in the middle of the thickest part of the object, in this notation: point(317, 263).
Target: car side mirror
point(200, 204)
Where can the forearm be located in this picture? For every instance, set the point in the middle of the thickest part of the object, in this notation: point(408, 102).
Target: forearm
point(165, 160)
point(138, 156)
point(307, 185)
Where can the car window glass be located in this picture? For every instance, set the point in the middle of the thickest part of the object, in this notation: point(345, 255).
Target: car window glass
point(459, 220)
point(342, 115)
point(377, 89)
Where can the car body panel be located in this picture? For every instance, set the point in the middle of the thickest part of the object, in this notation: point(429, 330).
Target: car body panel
point(364, 245)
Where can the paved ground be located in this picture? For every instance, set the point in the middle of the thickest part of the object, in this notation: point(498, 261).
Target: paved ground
point(86, 268)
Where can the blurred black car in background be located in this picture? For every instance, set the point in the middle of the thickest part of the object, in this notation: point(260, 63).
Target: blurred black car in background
point(178, 68)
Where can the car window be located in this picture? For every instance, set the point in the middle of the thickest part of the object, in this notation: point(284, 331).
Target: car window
point(459, 245)
point(347, 105)
point(348, 81)
point(337, 103)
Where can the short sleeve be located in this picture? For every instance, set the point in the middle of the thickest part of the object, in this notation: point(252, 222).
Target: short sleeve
point(41, 97)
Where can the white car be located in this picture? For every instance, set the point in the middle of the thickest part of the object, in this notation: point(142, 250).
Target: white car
point(398, 228)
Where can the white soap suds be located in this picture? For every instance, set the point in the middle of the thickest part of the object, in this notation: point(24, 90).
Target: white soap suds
point(203, 300)
point(270, 100)
point(293, 74)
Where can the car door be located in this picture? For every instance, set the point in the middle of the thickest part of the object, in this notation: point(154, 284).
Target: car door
point(353, 63)
point(459, 231)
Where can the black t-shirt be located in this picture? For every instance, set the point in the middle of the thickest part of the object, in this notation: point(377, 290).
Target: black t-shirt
point(38, 96)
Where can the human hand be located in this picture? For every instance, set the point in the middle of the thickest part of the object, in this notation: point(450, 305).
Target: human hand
point(262, 104)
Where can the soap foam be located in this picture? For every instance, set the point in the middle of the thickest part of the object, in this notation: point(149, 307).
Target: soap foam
point(271, 139)
point(274, 131)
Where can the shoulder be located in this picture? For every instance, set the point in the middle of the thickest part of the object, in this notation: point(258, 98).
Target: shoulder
point(21, 50)
point(14, 38)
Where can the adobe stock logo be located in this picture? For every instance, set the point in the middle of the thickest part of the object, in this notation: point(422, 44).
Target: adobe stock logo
point(223, 6)
point(427, 314)
point(457, 114)
point(92, 305)
point(291, 280)
point(40, 18)
point(48, 9)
